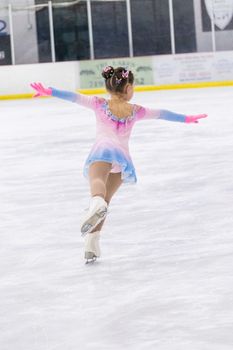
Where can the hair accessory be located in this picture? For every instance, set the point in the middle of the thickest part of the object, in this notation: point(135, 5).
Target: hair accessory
point(125, 75)
point(108, 72)
point(107, 69)
point(118, 81)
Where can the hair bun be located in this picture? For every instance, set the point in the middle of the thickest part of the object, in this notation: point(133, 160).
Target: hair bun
point(107, 72)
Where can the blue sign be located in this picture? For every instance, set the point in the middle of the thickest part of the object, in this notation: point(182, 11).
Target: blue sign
point(2, 27)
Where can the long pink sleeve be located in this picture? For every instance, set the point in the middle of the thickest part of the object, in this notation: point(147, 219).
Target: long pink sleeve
point(87, 101)
point(149, 113)
point(146, 113)
point(83, 100)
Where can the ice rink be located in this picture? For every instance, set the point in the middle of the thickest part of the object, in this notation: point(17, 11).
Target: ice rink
point(165, 278)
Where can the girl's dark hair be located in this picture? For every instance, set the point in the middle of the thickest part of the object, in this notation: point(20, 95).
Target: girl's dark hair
point(116, 79)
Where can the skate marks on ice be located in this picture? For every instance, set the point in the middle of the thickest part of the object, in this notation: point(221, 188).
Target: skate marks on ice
point(164, 278)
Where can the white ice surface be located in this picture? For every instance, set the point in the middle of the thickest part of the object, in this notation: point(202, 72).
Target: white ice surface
point(165, 278)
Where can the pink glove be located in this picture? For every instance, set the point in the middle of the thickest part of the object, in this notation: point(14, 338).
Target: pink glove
point(194, 118)
point(41, 90)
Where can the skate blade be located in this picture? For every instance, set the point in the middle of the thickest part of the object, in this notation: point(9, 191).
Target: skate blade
point(90, 261)
point(93, 221)
point(90, 257)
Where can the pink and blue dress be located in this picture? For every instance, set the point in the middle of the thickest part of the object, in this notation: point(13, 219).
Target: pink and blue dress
point(112, 133)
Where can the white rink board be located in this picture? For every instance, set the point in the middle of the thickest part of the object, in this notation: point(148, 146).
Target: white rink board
point(17, 79)
point(153, 70)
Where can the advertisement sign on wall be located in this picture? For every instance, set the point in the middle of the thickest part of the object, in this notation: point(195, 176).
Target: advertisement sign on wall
point(193, 68)
point(90, 71)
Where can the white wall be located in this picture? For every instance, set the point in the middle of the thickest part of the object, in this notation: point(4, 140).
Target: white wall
point(160, 70)
point(17, 79)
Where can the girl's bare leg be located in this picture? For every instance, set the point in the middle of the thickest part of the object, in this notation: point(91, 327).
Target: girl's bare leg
point(114, 181)
point(98, 176)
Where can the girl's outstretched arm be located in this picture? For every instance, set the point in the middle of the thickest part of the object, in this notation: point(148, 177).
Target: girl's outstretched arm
point(148, 113)
point(86, 101)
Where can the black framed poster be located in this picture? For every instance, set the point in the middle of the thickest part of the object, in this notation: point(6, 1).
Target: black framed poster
point(223, 14)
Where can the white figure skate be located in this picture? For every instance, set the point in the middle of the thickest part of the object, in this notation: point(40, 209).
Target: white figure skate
point(92, 248)
point(96, 213)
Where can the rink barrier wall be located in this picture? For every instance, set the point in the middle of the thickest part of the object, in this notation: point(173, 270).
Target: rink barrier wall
point(180, 71)
point(142, 88)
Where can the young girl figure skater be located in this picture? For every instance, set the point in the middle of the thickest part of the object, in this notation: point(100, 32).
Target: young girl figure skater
point(109, 163)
